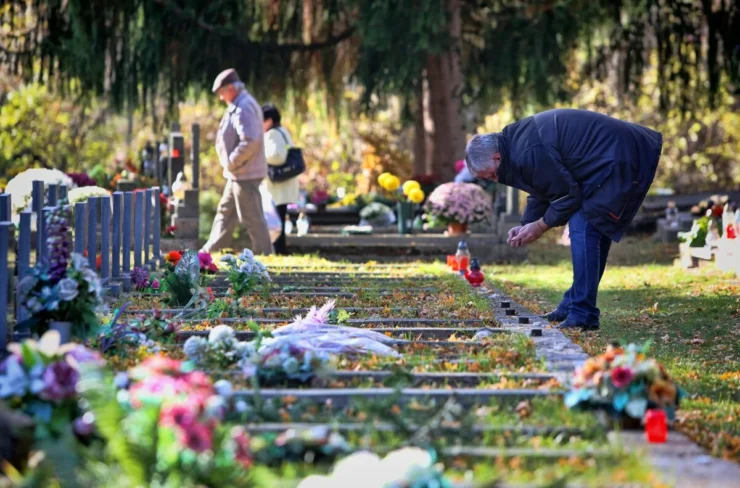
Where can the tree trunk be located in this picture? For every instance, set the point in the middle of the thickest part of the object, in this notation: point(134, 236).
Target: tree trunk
point(445, 86)
point(423, 130)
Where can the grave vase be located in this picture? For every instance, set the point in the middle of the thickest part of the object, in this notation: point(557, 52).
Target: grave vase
point(405, 211)
point(64, 329)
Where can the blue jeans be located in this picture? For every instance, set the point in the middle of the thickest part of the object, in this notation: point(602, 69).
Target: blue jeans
point(589, 250)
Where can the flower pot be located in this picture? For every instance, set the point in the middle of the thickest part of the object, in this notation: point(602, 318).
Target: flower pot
point(405, 211)
point(64, 329)
point(457, 229)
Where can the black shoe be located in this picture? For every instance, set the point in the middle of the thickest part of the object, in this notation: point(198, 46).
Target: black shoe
point(555, 316)
point(571, 324)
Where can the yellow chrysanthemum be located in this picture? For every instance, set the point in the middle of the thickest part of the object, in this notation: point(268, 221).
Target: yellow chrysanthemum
point(392, 183)
point(410, 185)
point(416, 195)
point(382, 178)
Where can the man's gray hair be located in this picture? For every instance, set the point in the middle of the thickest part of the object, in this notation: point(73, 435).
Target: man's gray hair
point(480, 150)
point(238, 85)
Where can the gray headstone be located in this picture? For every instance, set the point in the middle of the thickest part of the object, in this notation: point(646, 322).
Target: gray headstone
point(63, 192)
point(5, 232)
point(24, 257)
point(37, 204)
point(92, 231)
point(116, 251)
point(157, 226)
point(5, 207)
point(80, 226)
point(148, 224)
point(105, 238)
point(128, 209)
point(138, 228)
point(45, 212)
point(52, 190)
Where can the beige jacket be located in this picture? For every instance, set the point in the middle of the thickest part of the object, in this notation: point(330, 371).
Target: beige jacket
point(239, 142)
point(276, 152)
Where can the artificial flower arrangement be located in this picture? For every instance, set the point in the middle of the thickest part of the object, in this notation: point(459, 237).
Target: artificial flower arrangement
point(219, 351)
point(143, 335)
point(183, 285)
point(163, 421)
point(40, 379)
point(408, 467)
point(460, 203)
point(64, 288)
point(377, 214)
point(142, 280)
point(288, 364)
point(268, 363)
point(411, 189)
point(170, 231)
point(624, 381)
point(245, 273)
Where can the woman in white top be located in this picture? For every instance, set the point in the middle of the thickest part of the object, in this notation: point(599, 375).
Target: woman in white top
point(277, 143)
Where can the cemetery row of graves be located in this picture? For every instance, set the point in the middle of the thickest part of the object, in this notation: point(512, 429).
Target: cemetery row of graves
point(190, 369)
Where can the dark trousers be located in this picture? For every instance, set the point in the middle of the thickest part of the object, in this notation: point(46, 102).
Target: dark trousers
point(280, 244)
point(589, 250)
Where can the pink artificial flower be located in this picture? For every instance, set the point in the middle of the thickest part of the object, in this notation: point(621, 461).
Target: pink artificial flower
point(621, 376)
point(155, 284)
point(206, 262)
point(197, 437)
point(182, 415)
point(242, 443)
point(154, 389)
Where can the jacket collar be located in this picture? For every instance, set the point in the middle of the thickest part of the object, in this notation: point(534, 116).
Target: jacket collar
point(235, 103)
point(505, 168)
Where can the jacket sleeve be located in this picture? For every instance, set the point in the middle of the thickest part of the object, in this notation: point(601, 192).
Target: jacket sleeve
point(276, 148)
point(553, 183)
point(535, 210)
point(248, 125)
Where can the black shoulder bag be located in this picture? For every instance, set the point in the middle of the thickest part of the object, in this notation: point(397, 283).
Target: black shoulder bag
point(293, 166)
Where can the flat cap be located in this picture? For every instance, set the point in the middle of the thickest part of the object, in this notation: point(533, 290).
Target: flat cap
point(224, 78)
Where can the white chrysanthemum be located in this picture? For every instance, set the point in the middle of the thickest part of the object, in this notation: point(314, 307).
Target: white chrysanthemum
point(220, 333)
point(195, 347)
point(244, 350)
point(223, 387)
point(246, 255)
point(85, 192)
point(400, 466)
point(21, 186)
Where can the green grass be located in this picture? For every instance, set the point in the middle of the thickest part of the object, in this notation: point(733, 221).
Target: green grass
point(692, 317)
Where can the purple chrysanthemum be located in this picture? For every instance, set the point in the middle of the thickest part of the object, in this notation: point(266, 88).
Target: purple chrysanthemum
point(58, 242)
point(139, 278)
point(60, 381)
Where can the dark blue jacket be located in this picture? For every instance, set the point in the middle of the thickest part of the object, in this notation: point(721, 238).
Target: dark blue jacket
point(569, 160)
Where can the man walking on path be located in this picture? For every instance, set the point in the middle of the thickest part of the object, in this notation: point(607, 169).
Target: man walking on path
point(578, 167)
point(241, 152)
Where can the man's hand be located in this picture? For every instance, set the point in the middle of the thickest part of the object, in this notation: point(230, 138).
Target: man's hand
point(529, 233)
point(513, 233)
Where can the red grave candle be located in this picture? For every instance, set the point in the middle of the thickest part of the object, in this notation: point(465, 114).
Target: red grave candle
point(656, 426)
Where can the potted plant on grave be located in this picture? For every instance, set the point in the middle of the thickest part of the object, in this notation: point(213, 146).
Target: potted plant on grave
point(622, 384)
point(62, 293)
point(456, 206)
